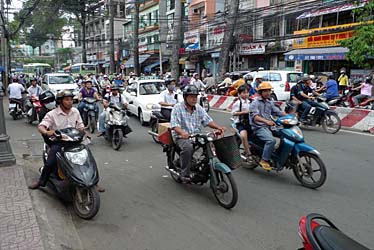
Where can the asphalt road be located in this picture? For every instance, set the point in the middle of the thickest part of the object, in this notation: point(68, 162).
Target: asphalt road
point(143, 208)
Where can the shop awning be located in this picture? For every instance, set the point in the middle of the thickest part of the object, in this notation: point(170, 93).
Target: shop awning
point(321, 54)
point(149, 68)
point(130, 62)
point(329, 10)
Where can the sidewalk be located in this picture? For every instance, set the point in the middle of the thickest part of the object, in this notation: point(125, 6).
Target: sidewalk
point(18, 226)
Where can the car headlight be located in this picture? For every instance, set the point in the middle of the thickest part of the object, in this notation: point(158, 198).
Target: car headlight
point(149, 106)
point(78, 158)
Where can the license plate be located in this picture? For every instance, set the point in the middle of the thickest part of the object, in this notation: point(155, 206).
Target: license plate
point(12, 105)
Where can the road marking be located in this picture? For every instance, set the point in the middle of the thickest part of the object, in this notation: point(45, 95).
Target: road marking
point(344, 130)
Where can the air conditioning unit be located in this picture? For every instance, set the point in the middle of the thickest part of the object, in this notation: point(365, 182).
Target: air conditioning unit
point(196, 11)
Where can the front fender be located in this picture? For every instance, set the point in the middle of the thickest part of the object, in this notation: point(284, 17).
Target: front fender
point(220, 166)
point(303, 147)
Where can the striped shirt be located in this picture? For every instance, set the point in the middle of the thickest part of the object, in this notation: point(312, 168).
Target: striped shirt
point(191, 123)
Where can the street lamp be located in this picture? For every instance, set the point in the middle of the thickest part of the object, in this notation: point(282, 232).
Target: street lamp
point(6, 156)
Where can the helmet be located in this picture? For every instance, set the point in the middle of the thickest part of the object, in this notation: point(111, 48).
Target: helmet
point(169, 80)
point(114, 87)
point(105, 76)
point(47, 96)
point(368, 79)
point(88, 80)
point(62, 94)
point(264, 86)
point(248, 77)
point(190, 90)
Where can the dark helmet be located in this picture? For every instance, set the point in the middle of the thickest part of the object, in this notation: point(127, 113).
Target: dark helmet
point(368, 79)
point(87, 80)
point(168, 81)
point(46, 97)
point(190, 90)
point(62, 94)
point(114, 87)
point(248, 77)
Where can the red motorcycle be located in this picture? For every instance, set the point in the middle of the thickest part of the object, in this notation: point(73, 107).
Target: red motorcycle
point(325, 236)
point(34, 109)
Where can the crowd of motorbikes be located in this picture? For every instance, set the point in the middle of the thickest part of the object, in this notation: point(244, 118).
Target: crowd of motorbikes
point(77, 174)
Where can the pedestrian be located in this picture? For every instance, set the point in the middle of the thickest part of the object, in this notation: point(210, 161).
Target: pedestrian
point(343, 80)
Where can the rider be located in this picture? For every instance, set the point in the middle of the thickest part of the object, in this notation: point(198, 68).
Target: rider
point(197, 82)
point(240, 111)
point(89, 92)
point(236, 85)
point(227, 81)
point(186, 119)
point(168, 98)
point(294, 94)
point(103, 84)
point(306, 95)
point(248, 80)
point(366, 91)
point(34, 89)
point(48, 101)
point(115, 98)
point(262, 108)
point(258, 81)
point(15, 91)
point(331, 87)
point(118, 81)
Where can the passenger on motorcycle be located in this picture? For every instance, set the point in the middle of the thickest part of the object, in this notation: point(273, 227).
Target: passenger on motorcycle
point(168, 98)
point(88, 91)
point(240, 111)
point(48, 101)
point(306, 95)
point(366, 91)
point(186, 119)
point(236, 85)
point(262, 108)
point(115, 98)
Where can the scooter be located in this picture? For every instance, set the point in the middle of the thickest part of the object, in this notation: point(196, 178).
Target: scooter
point(15, 110)
point(90, 114)
point(33, 112)
point(156, 118)
point(117, 126)
point(292, 153)
point(326, 236)
point(76, 172)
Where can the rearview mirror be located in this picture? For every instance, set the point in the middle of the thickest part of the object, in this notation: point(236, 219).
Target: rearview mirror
point(131, 102)
point(133, 93)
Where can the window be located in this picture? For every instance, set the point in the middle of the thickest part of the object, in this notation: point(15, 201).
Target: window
point(275, 77)
point(150, 18)
point(303, 24)
point(292, 77)
point(155, 17)
point(271, 28)
point(155, 38)
point(345, 17)
point(329, 20)
point(149, 40)
point(314, 22)
point(291, 24)
point(170, 5)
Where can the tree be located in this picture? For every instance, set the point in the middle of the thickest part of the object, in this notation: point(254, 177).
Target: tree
point(360, 45)
point(228, 38)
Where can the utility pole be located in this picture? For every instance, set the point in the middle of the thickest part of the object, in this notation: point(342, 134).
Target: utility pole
point(136, 38)
point(176, 39)
point(6, 155)
point(111, 31)
point(228, 38)
point(163, 26)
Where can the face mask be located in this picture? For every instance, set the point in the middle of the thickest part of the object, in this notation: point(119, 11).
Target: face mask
point(51, 105)
point(171, 87)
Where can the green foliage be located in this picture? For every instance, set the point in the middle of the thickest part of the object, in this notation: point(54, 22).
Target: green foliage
point(360, 45)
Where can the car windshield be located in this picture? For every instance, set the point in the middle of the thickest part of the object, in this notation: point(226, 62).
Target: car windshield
point(292, 77)
point(151, 88)
point(61, 80)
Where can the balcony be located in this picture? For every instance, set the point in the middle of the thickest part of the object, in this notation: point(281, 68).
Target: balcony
point(144, 29)
point(148, 4)
point(148, 49)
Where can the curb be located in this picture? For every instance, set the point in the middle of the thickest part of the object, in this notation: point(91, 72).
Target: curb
point(353, 119)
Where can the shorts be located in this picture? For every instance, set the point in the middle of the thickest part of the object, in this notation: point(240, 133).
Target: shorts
point(242, 127)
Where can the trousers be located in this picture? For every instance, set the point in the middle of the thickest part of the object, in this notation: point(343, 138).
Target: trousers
point(185, 156)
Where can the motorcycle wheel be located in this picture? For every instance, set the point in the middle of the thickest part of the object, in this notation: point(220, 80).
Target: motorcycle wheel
point(307, 179)
point(14, 114)
point(227, 192)
point(33, 116)
point(170, 160)
point(206, 105)
point(117, 139)
point(88, 207)
point(92, 124)
point(154, 128)
point(328, 125)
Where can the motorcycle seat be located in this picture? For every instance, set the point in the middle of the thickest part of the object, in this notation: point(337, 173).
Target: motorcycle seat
point(332, 239)
point(12, 100)
point(159, 115)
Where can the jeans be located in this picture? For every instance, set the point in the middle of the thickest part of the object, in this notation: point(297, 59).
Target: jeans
point(265, 135)
point(50, 164)
point(81, 106)
point(185, 156)
point(358, 98)
point(102, 119)
point(306, 107)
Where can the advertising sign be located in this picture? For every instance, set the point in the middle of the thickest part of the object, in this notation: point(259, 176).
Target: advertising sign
point(192, 40)
point(215, 35)
point(252, 48)
point(318, 41)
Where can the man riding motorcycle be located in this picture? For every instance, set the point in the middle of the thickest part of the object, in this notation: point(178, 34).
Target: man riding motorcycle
point(88, 91)
point(306, 95)
point(197, 82)
point(262, 108)
point(15, 90)
point(236, 85)
point(168, 98)
point(34, 89)
point(186, 119)
point(115, 98)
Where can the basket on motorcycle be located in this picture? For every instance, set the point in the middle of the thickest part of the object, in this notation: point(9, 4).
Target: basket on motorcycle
point(164, 133)
point(227, 151)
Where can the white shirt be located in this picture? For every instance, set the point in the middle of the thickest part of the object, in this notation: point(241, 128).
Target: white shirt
point(34, 91)
point(115, 99)
point(15, 90)
point(198, 83)
point(236, 108)
point(165, 96)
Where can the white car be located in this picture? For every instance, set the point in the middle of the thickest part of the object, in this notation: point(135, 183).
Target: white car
point(143, 94)
point(281, 80)
point(60, 81)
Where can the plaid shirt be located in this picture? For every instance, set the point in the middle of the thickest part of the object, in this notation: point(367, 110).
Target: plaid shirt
point(191, 123)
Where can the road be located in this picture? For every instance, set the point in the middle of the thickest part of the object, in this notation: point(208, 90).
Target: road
point(143, 208)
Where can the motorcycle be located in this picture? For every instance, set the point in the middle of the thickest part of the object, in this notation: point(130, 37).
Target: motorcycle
point(89, 113)
point(341, 100)
point(203, 100)
point(205, 167)
point(15, 110)
point(156, 119)
point(291, 153)
point(34, 109)
point(324, 237)
point(116, 126)
point(76, 173)
point(323, 115)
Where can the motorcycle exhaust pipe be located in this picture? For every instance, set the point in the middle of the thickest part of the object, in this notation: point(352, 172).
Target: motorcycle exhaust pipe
point(172, 171)
point(152, 133)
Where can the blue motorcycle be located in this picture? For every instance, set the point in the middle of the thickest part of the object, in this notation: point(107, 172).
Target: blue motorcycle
point(291, 152)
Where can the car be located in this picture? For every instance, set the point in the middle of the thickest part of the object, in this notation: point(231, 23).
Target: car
point(141, 96)
point(281, 80)
point(60, 81)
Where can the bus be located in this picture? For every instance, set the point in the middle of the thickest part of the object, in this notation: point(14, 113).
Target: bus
point(83, 69)
point(37, 69)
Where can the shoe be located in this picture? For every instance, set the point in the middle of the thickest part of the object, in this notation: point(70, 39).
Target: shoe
point(100, 189)
point(265, 165)
point(100, 134)
point(34, 185)
point(186, 179)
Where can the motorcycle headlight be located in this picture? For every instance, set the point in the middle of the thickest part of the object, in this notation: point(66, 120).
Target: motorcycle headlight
point(149, 106)
point(78, 158)
point(297, 131)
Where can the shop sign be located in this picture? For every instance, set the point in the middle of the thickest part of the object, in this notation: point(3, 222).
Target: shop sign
point(215, 35)
point(252, 48)
point(190, 65)
point(192, 40)
point(326, 40)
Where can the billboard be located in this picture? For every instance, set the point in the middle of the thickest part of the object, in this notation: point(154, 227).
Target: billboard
point(192, 40)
